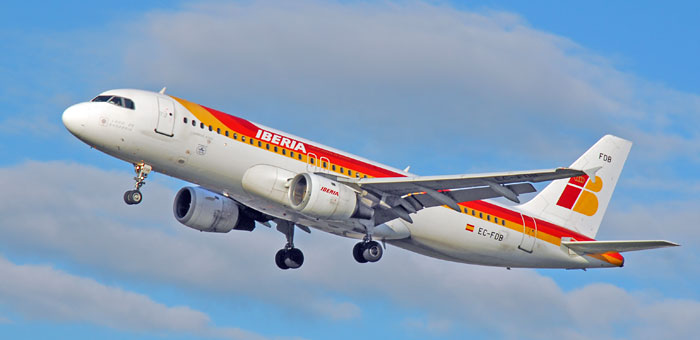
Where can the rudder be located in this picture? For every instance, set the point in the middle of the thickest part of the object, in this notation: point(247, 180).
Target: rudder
point(579, 203)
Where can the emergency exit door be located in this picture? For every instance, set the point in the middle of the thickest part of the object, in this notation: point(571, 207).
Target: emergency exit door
point(529, 234)
point(166, 117)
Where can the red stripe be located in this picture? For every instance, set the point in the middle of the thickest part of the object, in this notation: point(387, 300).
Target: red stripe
point(515, 217)
point(249, 129)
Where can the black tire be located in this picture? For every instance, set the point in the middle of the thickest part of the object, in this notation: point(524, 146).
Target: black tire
point(372, 251)
point(279, 259)
point(127, 198)
point(294, 258)
point(357, 251)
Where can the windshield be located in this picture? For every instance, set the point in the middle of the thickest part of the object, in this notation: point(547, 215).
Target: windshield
point(116, 100)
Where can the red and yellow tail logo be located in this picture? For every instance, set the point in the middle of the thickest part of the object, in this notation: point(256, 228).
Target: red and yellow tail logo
point(579, 195)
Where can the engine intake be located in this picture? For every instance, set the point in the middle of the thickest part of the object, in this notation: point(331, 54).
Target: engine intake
point(204, 210)
point(322, 197)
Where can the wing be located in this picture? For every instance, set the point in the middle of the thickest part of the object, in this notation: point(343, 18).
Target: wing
point(601, 247)
point(400, 196)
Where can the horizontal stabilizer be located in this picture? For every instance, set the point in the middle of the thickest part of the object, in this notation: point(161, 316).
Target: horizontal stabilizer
point(601, 247)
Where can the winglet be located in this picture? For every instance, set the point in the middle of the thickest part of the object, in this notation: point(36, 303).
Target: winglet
point(591, 173)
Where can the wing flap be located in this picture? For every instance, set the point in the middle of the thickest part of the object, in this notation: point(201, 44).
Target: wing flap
point(473, 194)
point(602, 247)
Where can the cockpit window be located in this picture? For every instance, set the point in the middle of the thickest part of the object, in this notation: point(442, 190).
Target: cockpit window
point(116, 100)
point(101, 98)
point(128, 103)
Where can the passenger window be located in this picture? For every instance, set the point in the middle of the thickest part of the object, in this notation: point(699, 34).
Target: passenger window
point(481, 215)
point(325, 165)
point(349, 172)
point(333, 167)
point(342, 171)
point(473, 212)
point(267, 146)
point(488, 217)
point(312, 160)
point(194, 122)
point(495, 220)
point(299, 155)
point(210, 128)
point(184, 120)
point(218, 130)
point(284, 152)
point(276, 149)
point(260, 144)
point(235, 136)
point(226, 133)
point(291, 154)
point(201, 125)
point(242, 137)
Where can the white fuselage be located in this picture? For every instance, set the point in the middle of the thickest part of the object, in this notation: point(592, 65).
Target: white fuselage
point(160, 132)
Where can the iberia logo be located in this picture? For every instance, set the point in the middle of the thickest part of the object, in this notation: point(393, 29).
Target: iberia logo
point(579, 195)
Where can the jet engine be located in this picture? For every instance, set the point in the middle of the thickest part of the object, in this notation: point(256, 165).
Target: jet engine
point(322, 197)
point(204, 210)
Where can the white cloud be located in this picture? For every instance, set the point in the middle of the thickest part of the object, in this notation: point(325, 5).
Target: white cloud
point(79, 226)
point(47, 293)
point(452, 77)
point(413, 78)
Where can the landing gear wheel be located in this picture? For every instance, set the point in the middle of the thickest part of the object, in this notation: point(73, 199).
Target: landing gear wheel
point(279, 259)
point(372, 251)
point(357, 252)
point(133, 197)
point(289, 258)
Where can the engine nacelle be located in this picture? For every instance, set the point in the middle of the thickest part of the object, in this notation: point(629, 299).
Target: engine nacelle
point(322, 197)
point(204, 210)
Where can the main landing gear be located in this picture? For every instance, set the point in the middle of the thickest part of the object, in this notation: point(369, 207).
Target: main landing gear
point(367, 251)
point(134, 196)
point(288, 257)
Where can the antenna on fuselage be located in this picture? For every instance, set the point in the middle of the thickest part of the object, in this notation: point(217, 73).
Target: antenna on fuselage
point(162, 91)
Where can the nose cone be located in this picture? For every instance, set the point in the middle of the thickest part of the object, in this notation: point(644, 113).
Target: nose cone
point(74, 118)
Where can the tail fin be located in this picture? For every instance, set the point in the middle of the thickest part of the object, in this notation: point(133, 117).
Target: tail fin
point(579, 203)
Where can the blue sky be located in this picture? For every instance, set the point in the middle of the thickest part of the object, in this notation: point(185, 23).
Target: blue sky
point(446, 87)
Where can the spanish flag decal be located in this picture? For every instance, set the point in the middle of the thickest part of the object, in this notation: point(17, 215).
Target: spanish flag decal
point(469, 228)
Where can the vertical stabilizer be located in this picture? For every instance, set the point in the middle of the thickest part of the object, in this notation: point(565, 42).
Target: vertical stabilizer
point(579, 203)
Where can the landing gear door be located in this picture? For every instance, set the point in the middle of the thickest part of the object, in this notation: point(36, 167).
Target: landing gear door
point(166, 117)
point(529, 234)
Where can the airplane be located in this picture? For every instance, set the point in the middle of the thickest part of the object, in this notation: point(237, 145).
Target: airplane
point(246, 173)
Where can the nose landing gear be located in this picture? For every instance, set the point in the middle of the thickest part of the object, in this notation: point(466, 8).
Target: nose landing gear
point(134, 196)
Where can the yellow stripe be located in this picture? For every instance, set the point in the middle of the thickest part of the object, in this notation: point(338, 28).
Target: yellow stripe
point(201, 113)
